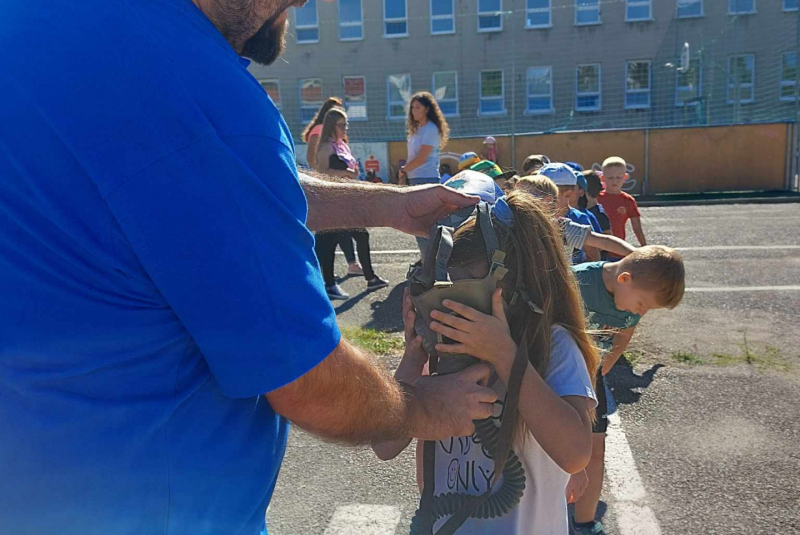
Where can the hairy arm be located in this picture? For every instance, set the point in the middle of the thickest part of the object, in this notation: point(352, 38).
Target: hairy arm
point(618, 346)
point(636, 223)
point(609, 243)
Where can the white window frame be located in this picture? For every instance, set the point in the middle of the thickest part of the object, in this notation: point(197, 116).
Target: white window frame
point(788, 83)
point(598, 93)
point(360, 23)
point(732, 87)
point(501, 98)
point(685, 3)
point(649, 89)
point(579, 8)
point(316, 105)
point(350, 116)
point(314, 26)
point(277, 83)
point(390, 103)
point(639, 3)
point(789, 9)
point(678, 102)
point(490, 14)
point(452, 16)
point(528, 95)
point(732, 12)
point(440, 100)
point(394, 20)
point(548, 10)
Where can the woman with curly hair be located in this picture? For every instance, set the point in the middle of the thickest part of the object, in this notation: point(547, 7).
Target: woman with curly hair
point(428, 132)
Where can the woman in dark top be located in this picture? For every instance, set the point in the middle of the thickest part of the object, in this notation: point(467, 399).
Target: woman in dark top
point(334, 158)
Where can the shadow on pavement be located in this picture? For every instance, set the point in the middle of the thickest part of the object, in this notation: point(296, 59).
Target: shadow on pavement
point(387, 315)
point(628, 387)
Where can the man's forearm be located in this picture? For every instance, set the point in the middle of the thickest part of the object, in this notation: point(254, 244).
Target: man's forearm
point(346, 398)
point(347, 204)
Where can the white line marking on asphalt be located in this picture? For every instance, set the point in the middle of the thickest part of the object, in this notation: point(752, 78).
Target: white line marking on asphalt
point(709, 248)
point(724, 289)
point(364, 520)
point(633, 515)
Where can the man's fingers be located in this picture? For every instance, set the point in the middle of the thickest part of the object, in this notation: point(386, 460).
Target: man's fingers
point(453, 321)
point(458, 336)
point(468, 312)
point(451, 196)
point(497, 305)
point(476, 373)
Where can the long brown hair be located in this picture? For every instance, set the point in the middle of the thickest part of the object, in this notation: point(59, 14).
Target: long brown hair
point(547, 278)
point(329, 125)
point(435, 116)
point(320, 116)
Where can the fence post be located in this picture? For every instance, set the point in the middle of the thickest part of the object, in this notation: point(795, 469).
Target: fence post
point(646, 179)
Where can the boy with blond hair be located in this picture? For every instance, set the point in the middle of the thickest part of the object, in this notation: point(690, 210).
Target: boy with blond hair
point(620, 206)
point(615, 296)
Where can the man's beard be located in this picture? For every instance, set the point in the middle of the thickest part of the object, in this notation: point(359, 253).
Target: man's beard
point(268, 42)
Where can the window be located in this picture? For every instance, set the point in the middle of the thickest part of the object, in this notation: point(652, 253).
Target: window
point(445, 90)
point(539, 84)
point(310, 98)
point(443, 18)
point(490, 18)
point(398, 94)
point(537, 14)
point(351, 20)
point(395, 18)
point(306, 23)
point(587, 12)
point(789, 76)
point(355, 97)
point(273, 90)
point(587, 87)
point(741, 78)
point(741, 7)
point(638, 10)
point(637, 84)
point(791, 5)
point(688, 87)
point(686, 9)
point(492, 101)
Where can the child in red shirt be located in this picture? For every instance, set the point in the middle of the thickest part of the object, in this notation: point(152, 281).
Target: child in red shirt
point(619, 206)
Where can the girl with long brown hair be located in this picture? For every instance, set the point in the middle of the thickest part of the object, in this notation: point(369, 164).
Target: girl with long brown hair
point(553, 437)
point(312, 131)
point(427, 132)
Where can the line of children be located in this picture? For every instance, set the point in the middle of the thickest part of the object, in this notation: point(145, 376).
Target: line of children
point(556, 399)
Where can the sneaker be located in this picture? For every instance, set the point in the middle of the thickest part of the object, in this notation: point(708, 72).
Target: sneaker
point(355, 269)
point(595, 528)
point(376, 283)
point(334, 292)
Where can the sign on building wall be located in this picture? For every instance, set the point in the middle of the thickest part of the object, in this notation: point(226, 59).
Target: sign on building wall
point(373, 158)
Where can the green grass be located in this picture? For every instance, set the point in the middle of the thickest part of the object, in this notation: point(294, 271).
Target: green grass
point(376, 342)
point(632, 356)
point(686, 357)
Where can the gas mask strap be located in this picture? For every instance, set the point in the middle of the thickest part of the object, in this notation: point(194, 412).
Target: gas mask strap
point(487, 230)
point(437, 255)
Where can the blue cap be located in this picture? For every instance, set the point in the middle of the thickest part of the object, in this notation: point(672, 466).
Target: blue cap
point(578, 167)
point(561, 174)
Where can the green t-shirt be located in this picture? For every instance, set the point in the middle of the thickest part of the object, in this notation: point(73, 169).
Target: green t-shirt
point(598, 303)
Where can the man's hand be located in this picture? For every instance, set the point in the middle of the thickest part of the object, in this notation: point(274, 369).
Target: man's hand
point(419, 207)
point(445, 406)
point(577, 486)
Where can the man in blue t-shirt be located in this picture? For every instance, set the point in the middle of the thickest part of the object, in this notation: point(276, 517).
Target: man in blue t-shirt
point(163, 315)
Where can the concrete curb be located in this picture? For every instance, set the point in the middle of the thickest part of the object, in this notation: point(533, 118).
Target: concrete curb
point(786, 199)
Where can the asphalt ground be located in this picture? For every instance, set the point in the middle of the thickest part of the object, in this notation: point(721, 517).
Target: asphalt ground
point(708, 399)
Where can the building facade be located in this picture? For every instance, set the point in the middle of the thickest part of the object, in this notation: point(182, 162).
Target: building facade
point(499, 67)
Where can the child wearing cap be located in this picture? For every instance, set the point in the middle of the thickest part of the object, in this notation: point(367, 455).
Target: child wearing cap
point(490, 151)
point(576, 236)
point(533, 163)
point(467, 160)
point(619, 205)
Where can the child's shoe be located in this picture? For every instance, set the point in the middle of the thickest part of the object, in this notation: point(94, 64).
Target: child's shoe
point(595, 528)
point(355, 269)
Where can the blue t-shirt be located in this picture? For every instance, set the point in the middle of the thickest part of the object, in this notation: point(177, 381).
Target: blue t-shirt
point(425, 135)
point(601, 311)
point(578, 255)
point(156, 274)
point(593, 221)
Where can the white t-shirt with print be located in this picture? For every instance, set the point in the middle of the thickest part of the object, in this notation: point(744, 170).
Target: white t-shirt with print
point(425, 135)
point(463, 466)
